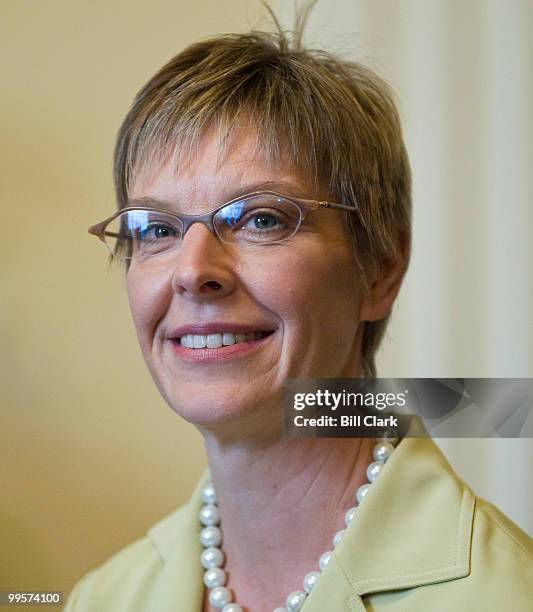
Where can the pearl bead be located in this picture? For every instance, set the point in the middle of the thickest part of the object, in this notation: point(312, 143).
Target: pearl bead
point(361, 492)
point(310, 580)
point(295, 601)
point(212, 557)
point(383, 451)
point(392, 441)
point(214, 577)
point(373, 470)
point(208, 494)
point(232, 607)
point(280, 610)
point(219, 597)
point(210, 536)
point(209, 516)
point(338, 537)
point(324, 560)
point(348, 517)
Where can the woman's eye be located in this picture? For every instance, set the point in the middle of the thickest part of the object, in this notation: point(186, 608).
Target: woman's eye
point(264, 221)
point(155, 239)
point(156, 232)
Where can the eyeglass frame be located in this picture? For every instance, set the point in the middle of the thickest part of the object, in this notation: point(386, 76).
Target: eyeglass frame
point(206, 219)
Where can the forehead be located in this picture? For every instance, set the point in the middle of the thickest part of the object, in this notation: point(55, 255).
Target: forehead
point(205, 180)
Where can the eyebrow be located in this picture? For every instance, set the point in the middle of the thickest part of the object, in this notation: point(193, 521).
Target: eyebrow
point(283, 187)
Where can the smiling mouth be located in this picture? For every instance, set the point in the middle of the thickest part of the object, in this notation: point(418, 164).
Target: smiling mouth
point(214, 341)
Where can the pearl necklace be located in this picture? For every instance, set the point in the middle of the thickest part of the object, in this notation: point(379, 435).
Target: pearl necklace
point(212, 557)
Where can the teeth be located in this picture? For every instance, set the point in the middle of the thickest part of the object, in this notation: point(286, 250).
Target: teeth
point(228, 339)
point(195, 341)
point(214, 340)
point(199, 341)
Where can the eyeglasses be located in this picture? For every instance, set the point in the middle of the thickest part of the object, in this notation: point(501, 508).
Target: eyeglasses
point(254, 219)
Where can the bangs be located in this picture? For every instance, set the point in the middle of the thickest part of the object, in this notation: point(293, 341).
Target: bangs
point(182, 144)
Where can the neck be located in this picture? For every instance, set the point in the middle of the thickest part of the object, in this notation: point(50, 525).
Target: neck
point(280, 506)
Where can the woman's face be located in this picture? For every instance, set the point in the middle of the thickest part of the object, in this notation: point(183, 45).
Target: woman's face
point(305, 291)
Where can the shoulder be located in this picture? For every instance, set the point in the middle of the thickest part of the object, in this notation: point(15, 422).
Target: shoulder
point(500, 574)
point(129, 577)
point(500, 548)
point(133, 568)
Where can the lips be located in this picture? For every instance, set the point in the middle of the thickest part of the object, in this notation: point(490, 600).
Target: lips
point(218, 346)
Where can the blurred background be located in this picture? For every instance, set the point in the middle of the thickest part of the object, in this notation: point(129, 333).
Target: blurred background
point(91, 455)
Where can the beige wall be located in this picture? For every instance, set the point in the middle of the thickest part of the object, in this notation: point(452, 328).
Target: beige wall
point(91, 455)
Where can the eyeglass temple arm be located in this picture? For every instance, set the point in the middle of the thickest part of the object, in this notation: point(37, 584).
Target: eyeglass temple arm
point(337, 205)
point(327, 204)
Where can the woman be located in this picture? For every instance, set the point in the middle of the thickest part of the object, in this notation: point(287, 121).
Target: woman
point(250, 135)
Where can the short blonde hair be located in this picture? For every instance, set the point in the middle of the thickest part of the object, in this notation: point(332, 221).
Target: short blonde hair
point(333, 120)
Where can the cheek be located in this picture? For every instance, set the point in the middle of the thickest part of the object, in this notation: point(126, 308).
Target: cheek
point(148, 304)
point(328, 294)
point(316, 291)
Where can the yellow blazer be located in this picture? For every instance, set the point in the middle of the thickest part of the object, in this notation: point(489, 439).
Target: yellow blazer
point(421, 542)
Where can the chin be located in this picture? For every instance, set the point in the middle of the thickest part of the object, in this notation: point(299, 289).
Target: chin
point(242, 414)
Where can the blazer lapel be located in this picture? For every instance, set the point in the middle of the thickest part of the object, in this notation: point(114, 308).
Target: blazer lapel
point(413, 527)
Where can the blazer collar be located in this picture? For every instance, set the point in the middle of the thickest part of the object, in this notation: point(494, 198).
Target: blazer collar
point(413, 528)
point(414, 525)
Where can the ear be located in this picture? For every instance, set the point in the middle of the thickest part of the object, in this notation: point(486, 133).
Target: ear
point(384, 287)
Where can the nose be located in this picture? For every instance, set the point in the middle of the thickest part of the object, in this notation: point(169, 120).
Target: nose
point(203, 269)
